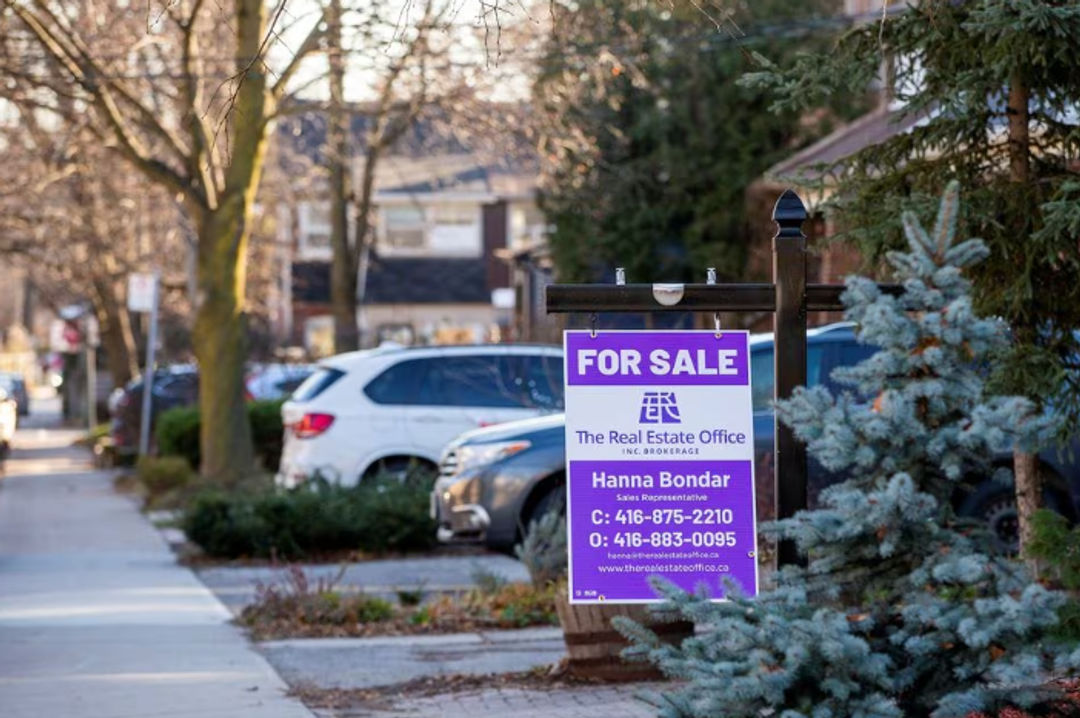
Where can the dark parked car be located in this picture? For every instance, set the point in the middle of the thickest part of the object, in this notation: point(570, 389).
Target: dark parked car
point(275, 381)
point(15, 386)
point(172, 386)
point(493, 482)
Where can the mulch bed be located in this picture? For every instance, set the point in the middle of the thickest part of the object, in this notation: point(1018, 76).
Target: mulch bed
point(511, 606)
point(1069, 707)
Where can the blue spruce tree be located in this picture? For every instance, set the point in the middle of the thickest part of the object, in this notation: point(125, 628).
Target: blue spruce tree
point(902, 610)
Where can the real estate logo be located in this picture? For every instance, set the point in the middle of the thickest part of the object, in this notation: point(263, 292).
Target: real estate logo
point(659, 407)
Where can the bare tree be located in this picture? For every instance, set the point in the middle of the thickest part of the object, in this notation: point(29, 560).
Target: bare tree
point(67, 218)
point(185, 93)
point(411, 76)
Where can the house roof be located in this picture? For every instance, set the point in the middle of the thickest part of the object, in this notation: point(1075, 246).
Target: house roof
point(432, 156)
point(826, 156)
point(404, 280)
point(461, 172)
point(815, 162)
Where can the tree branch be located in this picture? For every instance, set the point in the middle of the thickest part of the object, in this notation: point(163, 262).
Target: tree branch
point(309, 45)
point(62, 50)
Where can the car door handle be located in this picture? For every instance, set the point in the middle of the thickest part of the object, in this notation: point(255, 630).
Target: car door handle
point(426, 419)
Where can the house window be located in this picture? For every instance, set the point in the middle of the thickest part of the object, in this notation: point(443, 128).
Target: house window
point(527, 224)
point(454, 214)
point(314, 229)
point(404, 226)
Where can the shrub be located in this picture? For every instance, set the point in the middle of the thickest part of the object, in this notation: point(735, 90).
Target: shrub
point(319, 518)
point(487, 582)
point(163, 476)
point(1057, 548)
point(511, 605)
point(267, 431)
point(544, 549)
point(177, 433)
point(295, 605)
point(96, 434)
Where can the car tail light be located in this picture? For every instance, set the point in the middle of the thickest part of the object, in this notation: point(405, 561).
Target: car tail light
point(311, 425)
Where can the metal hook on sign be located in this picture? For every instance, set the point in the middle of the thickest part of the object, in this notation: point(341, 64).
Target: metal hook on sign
point(710, 278)
point(592, 325)
point(620, 276)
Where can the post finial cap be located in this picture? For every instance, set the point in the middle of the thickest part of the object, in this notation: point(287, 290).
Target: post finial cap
point(789, 210)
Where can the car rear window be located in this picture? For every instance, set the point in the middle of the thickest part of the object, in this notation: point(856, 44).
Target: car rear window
point(321, 380)
point(397, 384)
point(542, 382)
point(488, 380)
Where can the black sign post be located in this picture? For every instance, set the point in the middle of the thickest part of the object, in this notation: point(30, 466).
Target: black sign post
point(789, 297)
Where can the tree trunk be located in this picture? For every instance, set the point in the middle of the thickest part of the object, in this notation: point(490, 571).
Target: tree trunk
point(1019, 139)
point(1029, 496)
point(343, 269)
point(220, 340)
point(1025, 465)
point(223, 226)
point(117, 337)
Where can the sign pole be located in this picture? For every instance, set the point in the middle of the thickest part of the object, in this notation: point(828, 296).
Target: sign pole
point(789, 356)
point(148, 372)
point(91, 386)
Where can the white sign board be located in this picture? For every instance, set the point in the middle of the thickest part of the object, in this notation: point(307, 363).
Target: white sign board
point(141, 290)
point(503, 298)
point(660, 463)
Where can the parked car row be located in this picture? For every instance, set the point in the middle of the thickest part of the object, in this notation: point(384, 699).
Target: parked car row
point(493, 482)
point(9, 421)
point(178, 385)
point(14, 386)
point(486, 419)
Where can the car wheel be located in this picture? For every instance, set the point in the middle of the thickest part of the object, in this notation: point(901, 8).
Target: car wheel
point(553, 500)
point(402, 468)
point(996, 505)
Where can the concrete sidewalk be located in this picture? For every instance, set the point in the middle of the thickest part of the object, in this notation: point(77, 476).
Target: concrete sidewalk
point(352, 663)
point(96, 618)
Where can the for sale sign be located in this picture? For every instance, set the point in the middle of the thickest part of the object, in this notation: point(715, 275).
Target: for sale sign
point(660, 471)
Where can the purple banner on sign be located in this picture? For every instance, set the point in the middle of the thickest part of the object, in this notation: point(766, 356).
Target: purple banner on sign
point(651, 358)
point(690, 521)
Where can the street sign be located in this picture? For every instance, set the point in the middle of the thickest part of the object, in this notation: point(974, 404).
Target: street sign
point(142, 289)
point(660, 463)
point(143, 297)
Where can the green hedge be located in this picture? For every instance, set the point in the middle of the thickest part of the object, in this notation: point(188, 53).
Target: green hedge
point(177, 433)
point(380, 515)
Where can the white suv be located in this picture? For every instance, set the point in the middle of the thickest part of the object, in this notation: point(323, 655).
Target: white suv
point(381, 410)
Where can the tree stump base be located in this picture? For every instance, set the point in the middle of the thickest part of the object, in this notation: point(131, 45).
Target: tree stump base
point(593, 646)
